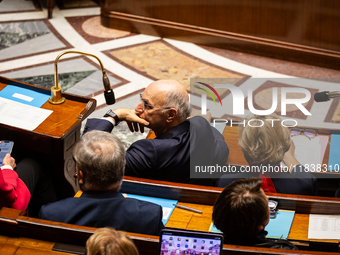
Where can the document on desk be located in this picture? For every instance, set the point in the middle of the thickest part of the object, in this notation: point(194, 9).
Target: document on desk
point(324, 226)
point(279, 227)
point(20, 115)
point(310, 151)
point(24, 96)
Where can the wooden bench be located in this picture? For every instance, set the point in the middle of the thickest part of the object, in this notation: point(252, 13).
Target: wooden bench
point(14, 223)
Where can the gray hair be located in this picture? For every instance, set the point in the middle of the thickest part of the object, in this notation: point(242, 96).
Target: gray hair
point(264, 144)
point(101, 157)
point(179, 102)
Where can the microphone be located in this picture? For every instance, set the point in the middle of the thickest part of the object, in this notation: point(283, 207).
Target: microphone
point(108, 92)
point(326, 96)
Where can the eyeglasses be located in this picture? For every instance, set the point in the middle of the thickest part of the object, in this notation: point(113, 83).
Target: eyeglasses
point(150, 106)
point(310, 133)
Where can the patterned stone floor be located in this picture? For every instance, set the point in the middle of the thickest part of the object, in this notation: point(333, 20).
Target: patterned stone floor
point(29, 44)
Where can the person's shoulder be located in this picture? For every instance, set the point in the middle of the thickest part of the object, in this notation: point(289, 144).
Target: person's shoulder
point(283, 244)
point(143, 144)
point(7, 172)
point(60, 205)
point(197, 119)
point(260, 240)
point(56, 210)
point(142, 204)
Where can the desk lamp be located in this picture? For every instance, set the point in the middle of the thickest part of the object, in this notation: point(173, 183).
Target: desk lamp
point(56, 97)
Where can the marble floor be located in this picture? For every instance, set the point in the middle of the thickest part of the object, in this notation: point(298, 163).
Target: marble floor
point(29, 44)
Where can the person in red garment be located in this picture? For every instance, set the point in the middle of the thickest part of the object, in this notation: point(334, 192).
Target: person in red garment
point(13, 191)
point(25, 186)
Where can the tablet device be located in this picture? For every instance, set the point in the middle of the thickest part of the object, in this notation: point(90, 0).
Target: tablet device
point(189, 242)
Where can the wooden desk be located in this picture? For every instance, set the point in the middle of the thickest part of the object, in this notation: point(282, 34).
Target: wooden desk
point(181, 218)
point(185, 219)
point(26, 246)
point(203, 199)
point(53, 140)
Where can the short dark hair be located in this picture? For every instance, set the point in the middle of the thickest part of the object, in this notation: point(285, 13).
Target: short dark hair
point(240, 209)
point(101, 156)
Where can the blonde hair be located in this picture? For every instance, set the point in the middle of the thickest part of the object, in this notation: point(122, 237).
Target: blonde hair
point(264, 144)
point(108, 241)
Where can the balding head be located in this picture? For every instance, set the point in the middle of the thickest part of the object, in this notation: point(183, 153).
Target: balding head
point(164, 104)
point(100, 156)
point(173, 94)
point(169, 86)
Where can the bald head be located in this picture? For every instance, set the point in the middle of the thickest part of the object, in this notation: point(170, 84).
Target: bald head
point(171, 93)
point(164, 104)
point(165, 86)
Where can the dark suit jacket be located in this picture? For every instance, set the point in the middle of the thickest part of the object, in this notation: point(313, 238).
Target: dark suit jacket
point(168, 156)
point(299, 182)
point(106, 208)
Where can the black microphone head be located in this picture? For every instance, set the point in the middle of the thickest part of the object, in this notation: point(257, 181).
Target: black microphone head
point(321, 96)
point(109, 97)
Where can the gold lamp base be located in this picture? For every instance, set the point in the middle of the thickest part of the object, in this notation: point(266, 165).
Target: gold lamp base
point(56, 97)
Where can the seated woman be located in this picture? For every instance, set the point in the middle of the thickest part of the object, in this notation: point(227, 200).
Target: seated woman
point(108, 241)
point(241, 212)
point(19, 182)
point(265, 144)
point(13, 191)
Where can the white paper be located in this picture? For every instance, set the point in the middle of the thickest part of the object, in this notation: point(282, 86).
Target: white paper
point(307, 151)
point(324, 226)
point(166, 212)
point(20, 115)
point(23, 97)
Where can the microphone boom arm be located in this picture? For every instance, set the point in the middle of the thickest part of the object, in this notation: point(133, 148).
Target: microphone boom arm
point(56, 97)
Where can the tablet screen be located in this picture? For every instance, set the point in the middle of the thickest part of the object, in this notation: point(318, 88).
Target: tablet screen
point(173, 242)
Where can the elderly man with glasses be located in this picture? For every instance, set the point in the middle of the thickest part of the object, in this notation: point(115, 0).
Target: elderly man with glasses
point(164, 108)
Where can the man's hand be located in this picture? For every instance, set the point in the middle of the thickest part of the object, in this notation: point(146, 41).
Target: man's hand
point(9, 160)
point(132, 118)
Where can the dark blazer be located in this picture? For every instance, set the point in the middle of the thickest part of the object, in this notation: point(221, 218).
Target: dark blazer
point(260, 240)
point(299, 182)
point(168, 156)
point(106, 208)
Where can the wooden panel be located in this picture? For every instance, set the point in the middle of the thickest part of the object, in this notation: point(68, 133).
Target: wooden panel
point(197, 194)
point(27, 246)
point(146, 244)
point(302, 30)
point(8, 249)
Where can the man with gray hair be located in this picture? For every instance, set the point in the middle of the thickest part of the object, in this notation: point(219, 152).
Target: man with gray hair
point(100, 162)
point(164, 107)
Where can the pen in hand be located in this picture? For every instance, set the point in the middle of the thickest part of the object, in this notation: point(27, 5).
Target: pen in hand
point(188, 208)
